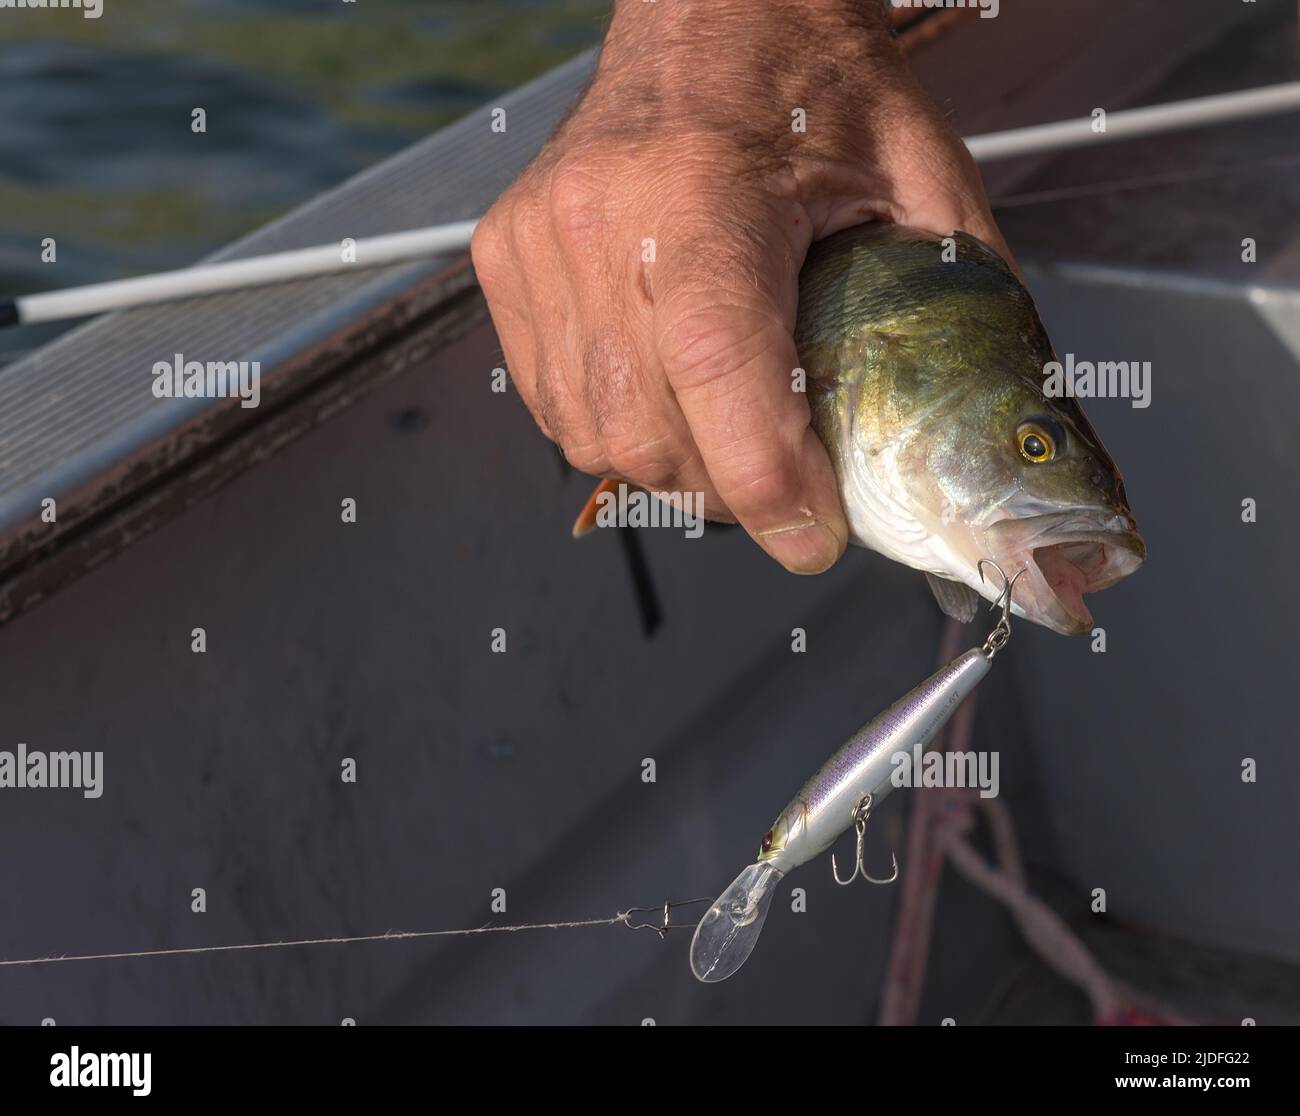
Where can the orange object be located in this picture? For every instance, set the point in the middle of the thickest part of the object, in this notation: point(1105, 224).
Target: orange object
point(586, 521)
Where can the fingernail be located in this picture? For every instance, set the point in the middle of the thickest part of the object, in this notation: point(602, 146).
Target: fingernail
point(807, 548)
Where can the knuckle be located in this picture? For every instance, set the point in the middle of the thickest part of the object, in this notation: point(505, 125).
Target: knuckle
point(576, 200)
point(550, 406)
point(710, 342)
point(652, 460)
point(528, 223)
point(487, 237)
point(762, 484)
point(610, 382)
point(586, 457)
point(488, 247)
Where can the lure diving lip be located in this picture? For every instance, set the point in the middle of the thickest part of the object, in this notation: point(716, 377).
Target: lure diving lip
point(729, 930)
point(839, 794)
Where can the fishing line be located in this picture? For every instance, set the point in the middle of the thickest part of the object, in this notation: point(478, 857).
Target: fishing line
point(623, 918)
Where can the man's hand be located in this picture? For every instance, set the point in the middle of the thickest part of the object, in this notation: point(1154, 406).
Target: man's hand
point(642, 273)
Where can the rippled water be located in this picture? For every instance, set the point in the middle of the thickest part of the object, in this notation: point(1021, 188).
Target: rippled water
point(96, 148)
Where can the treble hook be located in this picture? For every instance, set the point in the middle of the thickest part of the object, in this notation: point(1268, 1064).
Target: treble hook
point(1001, 633)
point(861, 812)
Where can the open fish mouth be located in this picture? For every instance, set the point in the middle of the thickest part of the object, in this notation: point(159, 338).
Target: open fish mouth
point(1065, 555)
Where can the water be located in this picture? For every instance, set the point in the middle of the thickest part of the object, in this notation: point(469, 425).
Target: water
point(96, 146)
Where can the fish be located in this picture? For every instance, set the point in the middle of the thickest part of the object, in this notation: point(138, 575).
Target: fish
point(925, 359)
point(925, 373)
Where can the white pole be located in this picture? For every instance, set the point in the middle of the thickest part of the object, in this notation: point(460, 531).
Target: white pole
point(237, 274)
point(444, 239)
point(1131, 123)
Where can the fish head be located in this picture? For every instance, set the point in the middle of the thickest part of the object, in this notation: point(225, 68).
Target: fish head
point(1001, 471)
point(1061, 516)
point(927, 367)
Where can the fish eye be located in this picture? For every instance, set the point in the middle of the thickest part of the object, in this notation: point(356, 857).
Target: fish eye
point(767, 842)
point(1036, 441)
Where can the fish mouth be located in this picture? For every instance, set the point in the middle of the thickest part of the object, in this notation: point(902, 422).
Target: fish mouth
point(1065, 555)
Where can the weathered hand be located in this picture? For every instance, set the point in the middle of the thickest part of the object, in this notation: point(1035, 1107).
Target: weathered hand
point(642, 272)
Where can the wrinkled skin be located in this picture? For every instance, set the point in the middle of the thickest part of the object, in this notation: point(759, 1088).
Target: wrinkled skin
point(675, 373)
point(924, 375)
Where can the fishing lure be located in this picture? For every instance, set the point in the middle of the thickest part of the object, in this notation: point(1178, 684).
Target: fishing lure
point(840, 794)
